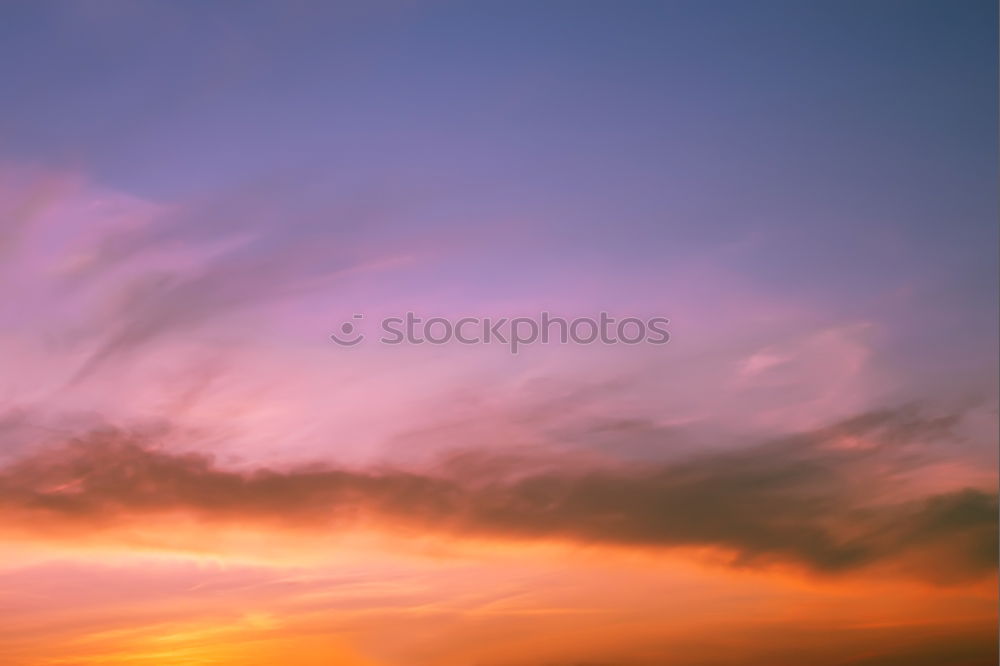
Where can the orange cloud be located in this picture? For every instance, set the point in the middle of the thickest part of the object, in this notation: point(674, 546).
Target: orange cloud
point(804, 500)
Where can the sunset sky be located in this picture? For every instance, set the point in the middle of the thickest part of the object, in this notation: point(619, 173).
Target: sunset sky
point(195, 195)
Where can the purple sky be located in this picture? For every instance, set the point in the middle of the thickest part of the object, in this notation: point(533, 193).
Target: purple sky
point(194, 195)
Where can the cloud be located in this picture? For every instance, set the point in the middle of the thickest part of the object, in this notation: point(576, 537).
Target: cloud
point(159, 303)
point(809, 500)
point(103, 274)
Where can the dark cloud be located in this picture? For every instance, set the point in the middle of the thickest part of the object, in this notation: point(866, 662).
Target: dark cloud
point(811, 499)
point(903, 645)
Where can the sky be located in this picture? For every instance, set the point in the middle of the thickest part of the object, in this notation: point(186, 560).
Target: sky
point(195, 196)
